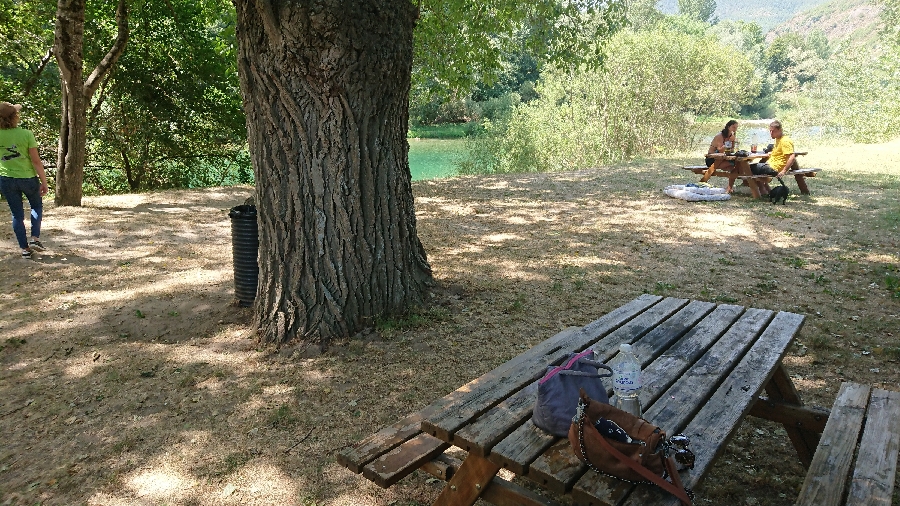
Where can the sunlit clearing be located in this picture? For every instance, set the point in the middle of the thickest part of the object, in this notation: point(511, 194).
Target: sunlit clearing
point(266, 483)
point(82, 366)
point(502, 237)
point(160, 483)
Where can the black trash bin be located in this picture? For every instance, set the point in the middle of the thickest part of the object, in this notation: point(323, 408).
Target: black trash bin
point(244, 246)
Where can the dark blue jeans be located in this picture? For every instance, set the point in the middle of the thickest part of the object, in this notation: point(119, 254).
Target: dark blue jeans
point(12, 189)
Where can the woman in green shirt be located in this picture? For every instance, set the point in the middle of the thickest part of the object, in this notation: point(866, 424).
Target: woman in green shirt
point(21, 173)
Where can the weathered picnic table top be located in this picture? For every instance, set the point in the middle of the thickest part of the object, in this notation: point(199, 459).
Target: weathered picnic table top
point(704, 367)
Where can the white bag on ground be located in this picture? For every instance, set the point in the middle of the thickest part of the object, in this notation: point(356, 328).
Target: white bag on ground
point(695, 193)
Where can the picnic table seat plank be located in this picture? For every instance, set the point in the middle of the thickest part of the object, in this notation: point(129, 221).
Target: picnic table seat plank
point(827, 476)
point(356, 457)
point(712, 427)
point(504, 381)
point(518, 450)
point(404, 459)
point(876, 461)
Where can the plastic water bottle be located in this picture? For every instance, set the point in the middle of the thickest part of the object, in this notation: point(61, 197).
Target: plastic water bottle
point(627, 380)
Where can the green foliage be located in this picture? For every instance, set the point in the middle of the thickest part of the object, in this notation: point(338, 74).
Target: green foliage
point(890, 14)
point(797, 60)
point(640, 103)
point(701, 10)
point(170, 115)
point(857, 95)
point(459, 43)
point(446, 131)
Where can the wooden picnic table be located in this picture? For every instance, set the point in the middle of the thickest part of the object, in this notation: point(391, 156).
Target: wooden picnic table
point(705, 367)
point(743, 172)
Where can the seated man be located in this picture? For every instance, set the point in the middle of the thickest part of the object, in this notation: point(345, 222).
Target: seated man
point(781, 158)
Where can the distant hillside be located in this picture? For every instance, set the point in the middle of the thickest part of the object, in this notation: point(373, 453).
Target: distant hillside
point(852, 22)
point(767, 13)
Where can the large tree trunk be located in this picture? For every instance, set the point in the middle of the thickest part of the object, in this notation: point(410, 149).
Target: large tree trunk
point(326, 86)
point(68, 46)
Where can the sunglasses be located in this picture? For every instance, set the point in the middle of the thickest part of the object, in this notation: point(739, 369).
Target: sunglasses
point(677, 447)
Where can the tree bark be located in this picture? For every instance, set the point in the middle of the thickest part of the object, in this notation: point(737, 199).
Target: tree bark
point(76, 93)
point(325, 87)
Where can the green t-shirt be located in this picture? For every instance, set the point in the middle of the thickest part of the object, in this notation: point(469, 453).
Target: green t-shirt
point(14, 158)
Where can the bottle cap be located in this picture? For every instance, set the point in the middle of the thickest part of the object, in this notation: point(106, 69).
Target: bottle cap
point(625, 348)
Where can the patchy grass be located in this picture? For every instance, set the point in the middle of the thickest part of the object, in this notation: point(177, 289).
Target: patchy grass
point(128, 377)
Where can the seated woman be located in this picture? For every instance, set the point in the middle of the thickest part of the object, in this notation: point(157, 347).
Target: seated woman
point(724, 141)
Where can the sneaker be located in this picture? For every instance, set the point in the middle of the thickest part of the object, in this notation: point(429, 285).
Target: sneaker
point(36, 245)
point(26, 253)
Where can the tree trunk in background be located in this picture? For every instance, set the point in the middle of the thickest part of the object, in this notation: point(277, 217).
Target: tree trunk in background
point(76, 93)
point(325, 86)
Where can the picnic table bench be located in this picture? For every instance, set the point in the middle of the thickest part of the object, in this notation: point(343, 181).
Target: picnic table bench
point(705, 367)
point(834, 477)
point(743, 168)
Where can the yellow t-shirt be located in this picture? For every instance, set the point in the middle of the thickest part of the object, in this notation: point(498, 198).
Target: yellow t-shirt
point(784, 147)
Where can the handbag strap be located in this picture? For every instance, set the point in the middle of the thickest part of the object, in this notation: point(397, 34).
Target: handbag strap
point(677, 489)
point(593, 363)
point(581, 358)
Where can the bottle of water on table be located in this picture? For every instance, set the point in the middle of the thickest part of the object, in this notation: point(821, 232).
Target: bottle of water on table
point(627, 380)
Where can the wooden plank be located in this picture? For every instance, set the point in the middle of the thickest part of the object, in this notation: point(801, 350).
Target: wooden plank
point(685, 397)
point(469, 481)
point(442, 467)
point(669, 307)
point(499, 492)
point(810, 418)
point(557, 468)
point(876, 463)
point(655, 342)
point(366, 450)
point(497, 423)
point(669, 367)
point(714, 425)
point(677, 404)
point(404, 459)
point(483, 393)
point(828, 474)
point(518, 450)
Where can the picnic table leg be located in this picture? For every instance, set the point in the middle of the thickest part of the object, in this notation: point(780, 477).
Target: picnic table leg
point(744, 170)
point(708, 174)
point(801, 183)
point(468, 482)
point(781, 388)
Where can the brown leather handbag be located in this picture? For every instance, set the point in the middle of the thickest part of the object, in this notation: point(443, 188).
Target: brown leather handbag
point(632, 448)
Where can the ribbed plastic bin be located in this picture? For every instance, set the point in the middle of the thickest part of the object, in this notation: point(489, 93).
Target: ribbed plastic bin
point(245, 246)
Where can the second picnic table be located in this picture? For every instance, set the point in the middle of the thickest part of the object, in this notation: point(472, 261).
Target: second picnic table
point(742, 164)
point(704, 367)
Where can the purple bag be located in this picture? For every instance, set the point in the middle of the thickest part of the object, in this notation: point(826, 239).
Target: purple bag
point(558, 395)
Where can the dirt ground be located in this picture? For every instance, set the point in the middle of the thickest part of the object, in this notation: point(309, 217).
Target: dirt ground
point(128, 377)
